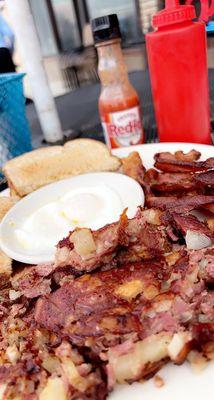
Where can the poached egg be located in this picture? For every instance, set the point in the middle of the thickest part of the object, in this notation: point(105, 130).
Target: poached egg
point(33, 227)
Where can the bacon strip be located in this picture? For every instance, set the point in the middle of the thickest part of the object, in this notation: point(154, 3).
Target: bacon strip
point(133, 166)
point(192, 155)
point(205, 178)
point(182, 204)
point(186, 223)
point(166, 182)
point(171, 165)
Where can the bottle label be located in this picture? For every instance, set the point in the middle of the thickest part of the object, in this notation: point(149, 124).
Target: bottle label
point(123, 128)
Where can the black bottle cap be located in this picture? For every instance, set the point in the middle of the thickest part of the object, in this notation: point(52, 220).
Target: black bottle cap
point(105, 28)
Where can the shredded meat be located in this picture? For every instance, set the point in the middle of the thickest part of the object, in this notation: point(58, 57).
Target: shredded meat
point(116, 312)
point(33, 281)
point(38, 365)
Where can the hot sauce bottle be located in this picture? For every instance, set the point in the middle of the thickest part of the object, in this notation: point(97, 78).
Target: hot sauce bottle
point(119, 104)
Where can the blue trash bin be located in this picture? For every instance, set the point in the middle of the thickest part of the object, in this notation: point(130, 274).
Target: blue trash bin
point(15, 137)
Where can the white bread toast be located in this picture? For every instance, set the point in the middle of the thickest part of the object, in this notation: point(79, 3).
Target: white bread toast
point(37, 168)
point(5, 204)
point(5, 262)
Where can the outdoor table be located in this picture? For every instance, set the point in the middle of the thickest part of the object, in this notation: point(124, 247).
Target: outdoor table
point(79, 109)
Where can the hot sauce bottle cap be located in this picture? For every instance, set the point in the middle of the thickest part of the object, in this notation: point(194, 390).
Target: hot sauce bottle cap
point(105, 28)
point(173, 13)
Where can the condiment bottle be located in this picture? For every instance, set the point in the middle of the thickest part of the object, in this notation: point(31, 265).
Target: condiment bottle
point(179, 77)
point(119, 104)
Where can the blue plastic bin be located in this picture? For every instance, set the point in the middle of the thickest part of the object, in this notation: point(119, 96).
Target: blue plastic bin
point(15, 137)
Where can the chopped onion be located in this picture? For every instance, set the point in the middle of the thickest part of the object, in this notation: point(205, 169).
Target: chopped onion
point(51, 364)
point(152, 216)
point(13, 294)
point(177, 344)
point(12, 354)
point(202, 318)
point(197, 241)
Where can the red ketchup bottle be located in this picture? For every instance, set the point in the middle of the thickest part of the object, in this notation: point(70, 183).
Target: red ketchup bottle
point(119, 104)
point(179, 77)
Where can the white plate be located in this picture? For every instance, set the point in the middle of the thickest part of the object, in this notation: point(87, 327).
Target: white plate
point(180, 381)
point(118, 188)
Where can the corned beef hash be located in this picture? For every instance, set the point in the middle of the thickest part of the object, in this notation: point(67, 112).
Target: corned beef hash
point(119, 302)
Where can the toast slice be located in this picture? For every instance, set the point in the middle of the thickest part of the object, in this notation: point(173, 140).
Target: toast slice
point(37, 168)
point(5, 262)
point(5, 269)
point(5, 204)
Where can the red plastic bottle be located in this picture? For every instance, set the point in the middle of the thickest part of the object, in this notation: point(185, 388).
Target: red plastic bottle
point(178, 68)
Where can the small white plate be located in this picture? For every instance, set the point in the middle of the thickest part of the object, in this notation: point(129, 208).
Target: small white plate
point(36, 247)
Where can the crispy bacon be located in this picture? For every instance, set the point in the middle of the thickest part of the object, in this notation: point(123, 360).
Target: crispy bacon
point(186, 223)
point(183, 204)
point(166, 182)
point(133, 166)
point(205, 178)
point(192, 155)
point(173, 165)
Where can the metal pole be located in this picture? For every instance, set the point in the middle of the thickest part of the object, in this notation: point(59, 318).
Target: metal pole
point(23, 24)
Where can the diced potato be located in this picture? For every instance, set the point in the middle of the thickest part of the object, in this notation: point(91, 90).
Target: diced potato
point(54, 390)
point(177, 345)
point(51, 364)
point(172, 258)
point(12, 354)
point(197, 361)
point(130, 366)
point(153, 216)
point(130, 290)
point(210, 223)
point(83, 242)
point(150, 292)
point(72, 375)
point(3, 387)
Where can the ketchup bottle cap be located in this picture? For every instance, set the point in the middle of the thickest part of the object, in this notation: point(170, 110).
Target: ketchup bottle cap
point(173, 13)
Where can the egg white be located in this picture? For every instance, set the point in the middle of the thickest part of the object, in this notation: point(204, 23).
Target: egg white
point(91, 207)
